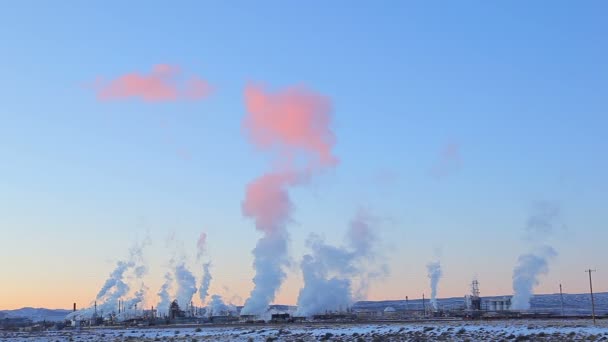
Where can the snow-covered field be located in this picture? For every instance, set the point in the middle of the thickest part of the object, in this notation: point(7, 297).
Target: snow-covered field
point(549, 330)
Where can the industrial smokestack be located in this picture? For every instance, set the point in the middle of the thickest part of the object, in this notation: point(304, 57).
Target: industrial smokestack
point(74, 307)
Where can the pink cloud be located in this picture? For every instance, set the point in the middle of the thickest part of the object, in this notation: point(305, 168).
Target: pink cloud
point(295, 121)
point(197, 88)
point(449, 160)
point(292, 120)
point(162, 84)
point(267, 200)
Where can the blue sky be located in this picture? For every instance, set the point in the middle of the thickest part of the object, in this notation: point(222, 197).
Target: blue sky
point(519, 87)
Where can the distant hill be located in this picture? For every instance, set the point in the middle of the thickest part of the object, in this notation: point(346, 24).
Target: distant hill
point(36, 314)
point(574, 304)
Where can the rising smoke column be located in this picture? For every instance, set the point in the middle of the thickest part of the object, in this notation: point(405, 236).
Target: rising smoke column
point(541, 225)
point(116, 286)
point(203, 291)
point(329, 271)
point(179, 275)
point(137, 299)
point(294, 124)
point(186, 285)
point(217, 307)
point(201, 246)
point(165, 295)
point(434, 274)
point(525, 275)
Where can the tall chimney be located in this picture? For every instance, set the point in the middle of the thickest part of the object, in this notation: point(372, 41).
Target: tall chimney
point(74, 307)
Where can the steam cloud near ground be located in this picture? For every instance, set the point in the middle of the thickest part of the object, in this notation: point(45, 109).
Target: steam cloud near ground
point(543, 222)
point(330, 272)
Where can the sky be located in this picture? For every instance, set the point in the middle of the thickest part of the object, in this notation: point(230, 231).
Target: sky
point(451, 122)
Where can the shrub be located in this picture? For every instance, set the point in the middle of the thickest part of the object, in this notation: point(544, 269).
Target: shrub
point(327, 336)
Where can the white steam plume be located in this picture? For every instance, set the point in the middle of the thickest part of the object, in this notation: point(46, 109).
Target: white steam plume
point(165, 296)
point(217, 307)
point(117, 287)
point(201, 246)
point(329, 272)
point(205, 282)
point(541, 225)
point(294, 124)
point(526, 273)
point(114, 288)
point(186, 285)
point(434, 274)
point(270, 256)
point(179, 275)
point(137, 300)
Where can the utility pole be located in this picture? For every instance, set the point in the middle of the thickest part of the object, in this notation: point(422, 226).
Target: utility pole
point(423, 306)
point(561, 297)
point(591, 289)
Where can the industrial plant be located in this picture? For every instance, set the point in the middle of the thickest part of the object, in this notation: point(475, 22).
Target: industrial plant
point(472, 306)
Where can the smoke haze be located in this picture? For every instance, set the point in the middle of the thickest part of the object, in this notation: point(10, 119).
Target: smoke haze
point(329, 272)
